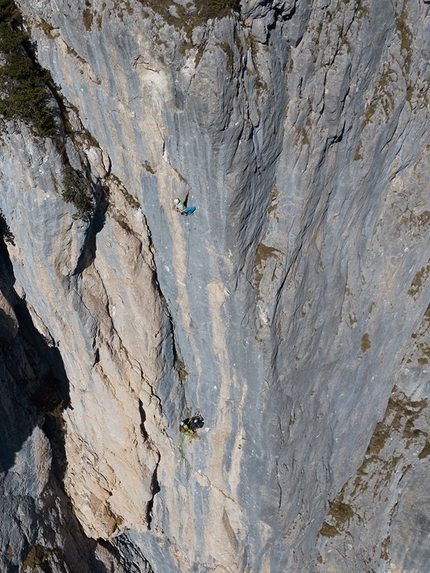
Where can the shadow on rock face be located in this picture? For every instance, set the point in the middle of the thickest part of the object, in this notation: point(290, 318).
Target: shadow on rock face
point(34, 388)
point(96, 225)
point(34, 391)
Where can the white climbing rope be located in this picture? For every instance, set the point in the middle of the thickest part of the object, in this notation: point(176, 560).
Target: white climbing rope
point(187, 256)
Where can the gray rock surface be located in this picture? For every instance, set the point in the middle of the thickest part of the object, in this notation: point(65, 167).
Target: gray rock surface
point(291, 309)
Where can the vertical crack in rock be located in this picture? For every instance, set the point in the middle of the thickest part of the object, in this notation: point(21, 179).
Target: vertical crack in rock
point(89, 251)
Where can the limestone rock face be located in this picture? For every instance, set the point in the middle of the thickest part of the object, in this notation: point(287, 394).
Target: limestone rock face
point(38, 529)
point(291, 309)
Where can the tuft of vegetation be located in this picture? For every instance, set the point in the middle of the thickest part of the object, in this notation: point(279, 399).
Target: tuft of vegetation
point(358, 150)
point(194, 14)
point(41, 558)
point(400, 416)
point(425, 452)
point(365, 342)
point(148, 168)
point(87, 17)
point(76, 191)
point(264, 252)
point(23, 92)
point(419, 280)
point(385, 545)
point(225, 47)
point(342, 512)
point(406, 37)
point(362, 10)
point(273, 202)
point(215, 8)
point(328, 530)
point(180, 366)
point(5, 231)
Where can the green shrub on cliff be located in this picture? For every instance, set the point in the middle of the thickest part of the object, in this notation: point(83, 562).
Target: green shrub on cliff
point(5, 231)
point(8, 11)
point(23, 93)
point(76, 191)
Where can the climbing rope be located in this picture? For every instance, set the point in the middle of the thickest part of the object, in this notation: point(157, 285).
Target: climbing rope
point(187, 256)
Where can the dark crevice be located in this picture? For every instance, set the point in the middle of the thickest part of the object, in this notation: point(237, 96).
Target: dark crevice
point(143, 420)
point(97, 223)
point(155, 488)
point(33, 378)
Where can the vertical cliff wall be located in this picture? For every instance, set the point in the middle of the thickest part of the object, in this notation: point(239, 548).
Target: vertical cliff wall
point(291, 309)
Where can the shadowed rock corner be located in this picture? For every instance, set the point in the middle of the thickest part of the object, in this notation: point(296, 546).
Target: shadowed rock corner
point(34, 391)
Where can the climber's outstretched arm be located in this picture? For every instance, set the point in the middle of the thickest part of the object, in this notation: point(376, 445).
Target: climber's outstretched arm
point(186, 194)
